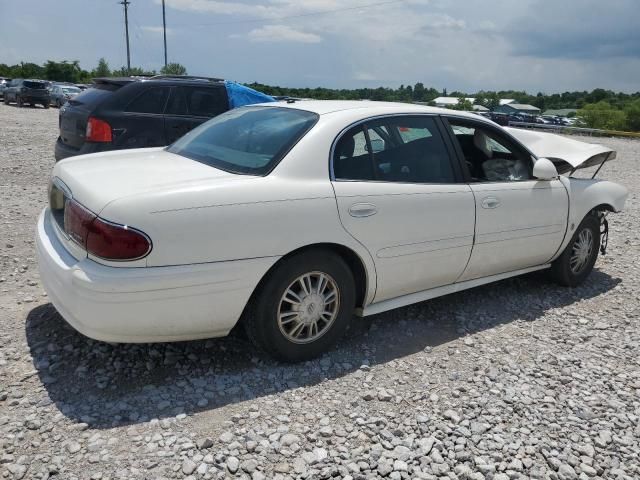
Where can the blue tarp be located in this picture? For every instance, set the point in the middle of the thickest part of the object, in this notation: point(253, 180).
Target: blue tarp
point(240, 95)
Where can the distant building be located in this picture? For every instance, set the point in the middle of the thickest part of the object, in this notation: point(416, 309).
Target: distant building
point(561, 112)
point(480, 108)
point(449, 101)
point(506, 101)
point(517, 108)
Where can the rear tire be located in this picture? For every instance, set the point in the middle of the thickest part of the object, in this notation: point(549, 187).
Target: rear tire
point(18, 102)
point(303, 308)
point(45, 105)
point(576, 262)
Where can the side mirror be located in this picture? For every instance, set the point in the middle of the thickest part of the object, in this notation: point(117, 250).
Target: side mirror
point(544, 169)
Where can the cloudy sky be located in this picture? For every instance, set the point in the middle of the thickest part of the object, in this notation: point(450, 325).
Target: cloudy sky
point(535, 45)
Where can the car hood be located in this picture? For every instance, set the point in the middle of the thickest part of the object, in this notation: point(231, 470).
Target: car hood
point(98, 179)
point(566, 153)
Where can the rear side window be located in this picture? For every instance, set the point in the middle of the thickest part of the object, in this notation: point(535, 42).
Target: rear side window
point(198, 101)
point(404, 149)
point(247, 140)
point(150, 101)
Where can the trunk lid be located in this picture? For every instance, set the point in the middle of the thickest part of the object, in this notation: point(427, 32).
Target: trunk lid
point(567, 154)
point(98, 179)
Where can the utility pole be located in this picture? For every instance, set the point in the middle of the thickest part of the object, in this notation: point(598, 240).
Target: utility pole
point(164, 30)
point(126, 29)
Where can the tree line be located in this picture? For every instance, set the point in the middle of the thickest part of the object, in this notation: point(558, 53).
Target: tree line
point(598, 108)
point(70, 71)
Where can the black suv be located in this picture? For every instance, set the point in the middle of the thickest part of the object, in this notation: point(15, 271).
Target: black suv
point(23, 91)
point(120, 113)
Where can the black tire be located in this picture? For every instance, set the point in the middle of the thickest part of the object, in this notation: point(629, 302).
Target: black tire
point(6, 100)
point(18, 102)
point(561, 270)
point(260, 319)
point(45, 105)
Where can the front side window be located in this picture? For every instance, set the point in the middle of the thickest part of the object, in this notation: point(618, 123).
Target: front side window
point(489, 156)
point(247, 140)
point(405, 149)
point(151, 101)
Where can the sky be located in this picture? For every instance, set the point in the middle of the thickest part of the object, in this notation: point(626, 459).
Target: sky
point(468, 45)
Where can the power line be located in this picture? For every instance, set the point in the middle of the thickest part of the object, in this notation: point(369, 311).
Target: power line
point(300, 15)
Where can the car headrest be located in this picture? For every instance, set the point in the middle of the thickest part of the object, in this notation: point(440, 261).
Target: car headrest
point(347, 146)
point(480, 140)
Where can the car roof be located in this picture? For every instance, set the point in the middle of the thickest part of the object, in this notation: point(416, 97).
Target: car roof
point(369, 108)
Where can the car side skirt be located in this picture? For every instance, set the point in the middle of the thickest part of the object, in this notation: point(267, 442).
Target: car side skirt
point(412, 298)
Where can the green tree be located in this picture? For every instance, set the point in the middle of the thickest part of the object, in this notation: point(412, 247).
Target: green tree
point(602, 115)
point(173, 69)
point(64, 71)
point(102, 70)
point(632, 111)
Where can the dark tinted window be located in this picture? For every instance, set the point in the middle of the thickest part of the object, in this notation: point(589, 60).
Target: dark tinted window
point(177, 102)
point(206, 102)
point(150, 101)
point(198, 101)
point(35, 85)
point(405, 149)
point(92, 96)
point(248, 140)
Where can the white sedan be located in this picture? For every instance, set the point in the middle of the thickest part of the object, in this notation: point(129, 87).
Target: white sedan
point(293, 217)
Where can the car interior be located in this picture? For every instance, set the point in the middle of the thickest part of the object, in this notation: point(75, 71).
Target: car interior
point(487, 157)
point(400, 154)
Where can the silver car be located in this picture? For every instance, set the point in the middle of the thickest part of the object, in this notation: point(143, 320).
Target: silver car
point(61, 93)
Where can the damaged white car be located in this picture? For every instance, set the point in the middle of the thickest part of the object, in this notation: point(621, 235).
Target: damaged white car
point(292, 217)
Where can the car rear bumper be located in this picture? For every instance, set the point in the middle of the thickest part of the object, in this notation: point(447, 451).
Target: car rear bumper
point(144, 304)
point(63, 151)
point(32, 99)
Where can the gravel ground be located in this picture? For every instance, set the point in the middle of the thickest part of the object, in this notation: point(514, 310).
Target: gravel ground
point(520, 379)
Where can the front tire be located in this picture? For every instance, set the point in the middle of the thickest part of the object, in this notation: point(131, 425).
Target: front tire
point(576, 262)
point(303, 308)
point(18, 102)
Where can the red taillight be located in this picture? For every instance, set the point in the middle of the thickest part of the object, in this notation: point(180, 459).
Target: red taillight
point(98, 130)
point(116, 242)
point(77, 222)
point(101, 238)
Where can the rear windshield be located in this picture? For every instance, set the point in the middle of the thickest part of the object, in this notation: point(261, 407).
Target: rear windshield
point(247, 140)
point(35, 85)
point(92, 96)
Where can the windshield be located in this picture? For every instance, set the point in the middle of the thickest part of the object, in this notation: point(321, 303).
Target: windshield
point(35, 85)
point(70, 90)
point(248, 140)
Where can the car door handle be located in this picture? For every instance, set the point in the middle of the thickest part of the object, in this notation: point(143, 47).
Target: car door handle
point(363, 210)
point(490, 202)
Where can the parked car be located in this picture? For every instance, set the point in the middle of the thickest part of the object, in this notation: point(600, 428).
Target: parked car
point(292, 217)
point(4, 82)
point(32, 92)
point(61, 93)
point(130, 112)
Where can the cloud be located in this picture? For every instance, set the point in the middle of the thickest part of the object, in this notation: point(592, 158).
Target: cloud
point(282, 33)
point(586, 30)
point(155, 29)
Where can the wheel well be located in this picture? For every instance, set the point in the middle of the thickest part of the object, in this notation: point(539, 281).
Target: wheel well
point(603, 207)
point(350, 257)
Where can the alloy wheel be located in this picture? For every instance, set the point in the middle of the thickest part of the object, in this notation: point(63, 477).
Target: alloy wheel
point(308, 307)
